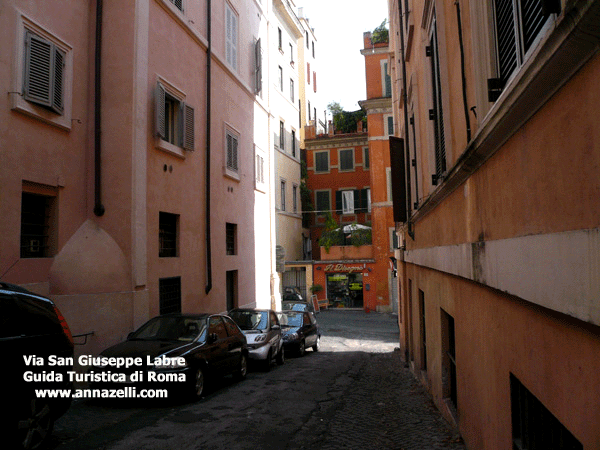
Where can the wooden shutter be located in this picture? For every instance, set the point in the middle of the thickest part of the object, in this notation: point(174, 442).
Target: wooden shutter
point(505, 37)
point(398, 167)
point(532, 15)
point(188, 127)
point(159, 111)
point(338, 202)
point(258, 67)
point(357, 201)
point(57, 94)
point(38, 70)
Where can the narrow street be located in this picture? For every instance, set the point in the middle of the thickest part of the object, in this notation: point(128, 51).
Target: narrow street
point(353, 394)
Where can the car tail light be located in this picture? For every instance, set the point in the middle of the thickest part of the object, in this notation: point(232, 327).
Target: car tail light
point(64, 325)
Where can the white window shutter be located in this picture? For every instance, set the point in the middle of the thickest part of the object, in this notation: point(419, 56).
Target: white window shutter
point(159, 110)
point(188, 127)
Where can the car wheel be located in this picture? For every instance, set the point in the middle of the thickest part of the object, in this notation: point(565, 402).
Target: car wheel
point(281, 356)
point(267, 362)
point(317, 344)
point(242, 369)
point(198, 383)
point(302, 348)
point(35, 425)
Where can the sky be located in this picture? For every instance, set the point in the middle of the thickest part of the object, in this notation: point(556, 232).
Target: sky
point(339, 26)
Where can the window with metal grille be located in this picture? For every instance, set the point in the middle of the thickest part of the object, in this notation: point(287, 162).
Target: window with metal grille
point(178, 4)
point(533, 425)
point(518, 23)
point(167, 235)
point(44, 73)
point(321, 161)
point(436, 114)
point(169, 295)
point(232, 163)
point(231, 238)
point(347, 159)
point(36, 213)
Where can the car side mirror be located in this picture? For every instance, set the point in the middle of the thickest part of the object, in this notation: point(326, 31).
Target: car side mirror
point(275, 327)
point(212, 338)
point(129, 335)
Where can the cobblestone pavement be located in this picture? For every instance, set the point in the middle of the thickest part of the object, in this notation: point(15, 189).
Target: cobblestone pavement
point(353, 394)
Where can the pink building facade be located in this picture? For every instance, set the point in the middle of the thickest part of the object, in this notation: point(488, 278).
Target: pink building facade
point(128, 172)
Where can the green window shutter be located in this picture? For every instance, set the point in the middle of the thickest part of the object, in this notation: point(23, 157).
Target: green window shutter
point(188, 127)
point(160, 118)
point(38, 70)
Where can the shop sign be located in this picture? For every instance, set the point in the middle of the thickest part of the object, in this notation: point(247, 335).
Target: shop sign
point(342, 268)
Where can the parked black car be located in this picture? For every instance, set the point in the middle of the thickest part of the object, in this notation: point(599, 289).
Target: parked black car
point(179, 352)
point(33, 336)
point(299, 331)
point(263, 334)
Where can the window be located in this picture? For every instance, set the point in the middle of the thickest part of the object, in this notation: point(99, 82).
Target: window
point(422, 330)
point(279, 40)
point(259, 170)
point(169, 295)
point(533, 425)
point(386, 79)
point(388, 179)
point(315, 84)
point(307, 40)
point(295, 198)
point(44, 73)
point(231, 288)
point(282, 195)
point(292, 90)
point(174, 118)
point(449, 358)
point(366, 162)
point(38, 214)
point(230, 239)
point(291, 54)
point(281, 135)
point(347, 202)
point(368, 193)
point(294, 143)
point(168, 225)
point(347, 159)
point(518, 23)
point(280, 71)
point(315, 115)
point(390, 126)
point(436, 113)
point(322, 202)
point(308, 74)
point(178, 4)
point(231, 38)
point(43, 79)
point(313, 49)
point(231, 153)
point(309, 111)
point(257, 68)
point(321, 161)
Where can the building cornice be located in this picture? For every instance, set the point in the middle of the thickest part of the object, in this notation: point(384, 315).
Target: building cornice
point(377, 105)
point(336, 141)
point(288, 14)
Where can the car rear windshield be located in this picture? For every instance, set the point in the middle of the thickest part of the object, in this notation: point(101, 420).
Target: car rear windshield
point(171, 329)
point(290, 318)
point(251, 320)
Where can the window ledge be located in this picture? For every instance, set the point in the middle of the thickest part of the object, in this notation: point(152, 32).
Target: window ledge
point(172, 149)
point(232, 175)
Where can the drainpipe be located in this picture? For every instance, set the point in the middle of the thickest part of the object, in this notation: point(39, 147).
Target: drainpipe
point(406, 143)
point(98, 206)
point(208, 100)
point(462, 67)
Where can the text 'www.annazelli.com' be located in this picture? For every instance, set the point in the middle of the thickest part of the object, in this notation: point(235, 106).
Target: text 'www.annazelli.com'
point(127, 392)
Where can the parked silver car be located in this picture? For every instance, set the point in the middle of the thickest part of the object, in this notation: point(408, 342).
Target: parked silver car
point(263, 334)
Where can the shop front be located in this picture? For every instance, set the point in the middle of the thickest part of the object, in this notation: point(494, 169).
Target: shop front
point(346, 285)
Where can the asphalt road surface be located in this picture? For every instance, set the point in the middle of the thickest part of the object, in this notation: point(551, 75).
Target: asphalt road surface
point(353, 394)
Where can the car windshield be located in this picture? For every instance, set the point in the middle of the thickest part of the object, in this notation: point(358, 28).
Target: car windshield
point(294, 306)
point(171, 329)
point(251, 320)
point(290, 319)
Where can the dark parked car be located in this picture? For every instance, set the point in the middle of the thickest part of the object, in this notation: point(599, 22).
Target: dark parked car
point(299, 331)
point(292, 293)
point(263, 334)
point(183, 351)
point(33, 336)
